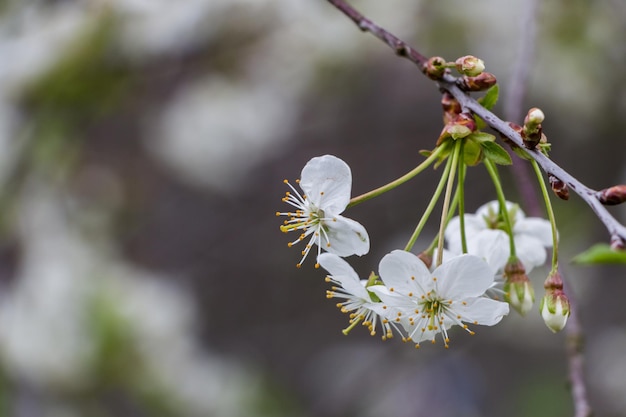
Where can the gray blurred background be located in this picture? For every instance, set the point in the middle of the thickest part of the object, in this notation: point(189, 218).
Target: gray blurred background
point(143, 145)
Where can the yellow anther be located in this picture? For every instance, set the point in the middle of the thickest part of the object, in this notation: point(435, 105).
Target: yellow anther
point(317, 266)
point(475, 322)
point(417, 346)
point(327, 279)
point(298, 181)
point(321, 192)
point(298, 265)
point(411, 294)
point(285, 181)
point(472, 333)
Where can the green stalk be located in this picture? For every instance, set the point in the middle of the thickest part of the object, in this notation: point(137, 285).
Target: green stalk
point(393, 184)
point(493, 172)
point(461, 193)
point(446, 200)
point(431, 206)
point(546, 198)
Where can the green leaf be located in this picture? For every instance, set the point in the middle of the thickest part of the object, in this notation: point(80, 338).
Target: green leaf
point(472, 153)
point(521, 153)
point(480, 123)
point(600, 253)
point(491, 98)
point(496, 153)
point(481, 137)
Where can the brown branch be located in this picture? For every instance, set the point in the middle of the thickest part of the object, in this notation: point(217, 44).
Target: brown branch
point(574, 348)
point(449, 83)
point(590, 196)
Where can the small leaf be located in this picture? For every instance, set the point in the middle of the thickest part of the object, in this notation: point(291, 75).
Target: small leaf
point(521, 153)
point(491, 98)
point(496, 153)
point(480, 123)
point(600, 253)
point(481, 137)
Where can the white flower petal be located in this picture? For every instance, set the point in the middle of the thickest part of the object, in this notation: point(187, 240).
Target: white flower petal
point(327, 183)
point(403, 270)
point(344, 237)
point(492, 246)
point(473, 225)
point(462, 277)
point(538, 228)
point(482, 311)
point(343, 273)
point(530, 251)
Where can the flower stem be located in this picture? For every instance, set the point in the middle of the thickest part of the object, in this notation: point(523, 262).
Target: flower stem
point(493, 172)
point(546, 198)
point(431, 206)
point(393, 184)
point(446, 200)
point(461, 194)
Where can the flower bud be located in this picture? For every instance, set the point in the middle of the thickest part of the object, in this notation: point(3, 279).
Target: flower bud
point(451, 107)
point(518, 291)
point(613, 195)
point(434, 68)
point(461, 126)
point(559, 187)
point(554, 307)
point(481, 82)
point(534, 117)
point(470, 65)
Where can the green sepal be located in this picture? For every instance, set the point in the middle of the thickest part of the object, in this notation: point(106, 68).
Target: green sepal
point(496, 153)
point(446, 149)
point(600, 253)
point(472, 152)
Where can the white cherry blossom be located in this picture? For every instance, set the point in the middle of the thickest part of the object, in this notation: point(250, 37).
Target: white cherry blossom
point(349, 287)
point(426, 303)
point(487, 239)
point(326, 182)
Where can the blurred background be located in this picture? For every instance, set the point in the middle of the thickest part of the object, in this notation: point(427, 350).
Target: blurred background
point(143, 145)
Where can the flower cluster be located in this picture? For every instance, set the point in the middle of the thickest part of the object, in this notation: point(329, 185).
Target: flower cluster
point(477, 265)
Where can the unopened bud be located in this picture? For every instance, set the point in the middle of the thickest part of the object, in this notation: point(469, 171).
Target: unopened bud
point(434, 68)
point(559, 187)
point(451, 107)
point(470, 65)
point(427, 258)
point(531, 132)
point(461, 126)
point(534, 117)
point(612, 196)
point(518, 291)
point(481, 82)
point(555, 310)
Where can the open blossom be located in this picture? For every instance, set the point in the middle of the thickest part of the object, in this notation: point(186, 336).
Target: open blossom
point(326, 182)
point(426, 303)
point(348, 286)
point(486, 236)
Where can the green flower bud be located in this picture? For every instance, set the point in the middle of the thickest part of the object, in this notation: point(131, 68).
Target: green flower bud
point(470, 65)
point(518, 291)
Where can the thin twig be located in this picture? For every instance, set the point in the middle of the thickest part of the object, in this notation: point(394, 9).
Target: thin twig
point(449, 83)
point(575, 345)
point(514, 100)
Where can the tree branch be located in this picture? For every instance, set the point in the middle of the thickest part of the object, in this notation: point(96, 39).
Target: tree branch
point(449, 83)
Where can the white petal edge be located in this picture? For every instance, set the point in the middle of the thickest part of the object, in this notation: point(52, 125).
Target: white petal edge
point(327, 183)
point(346, 237)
